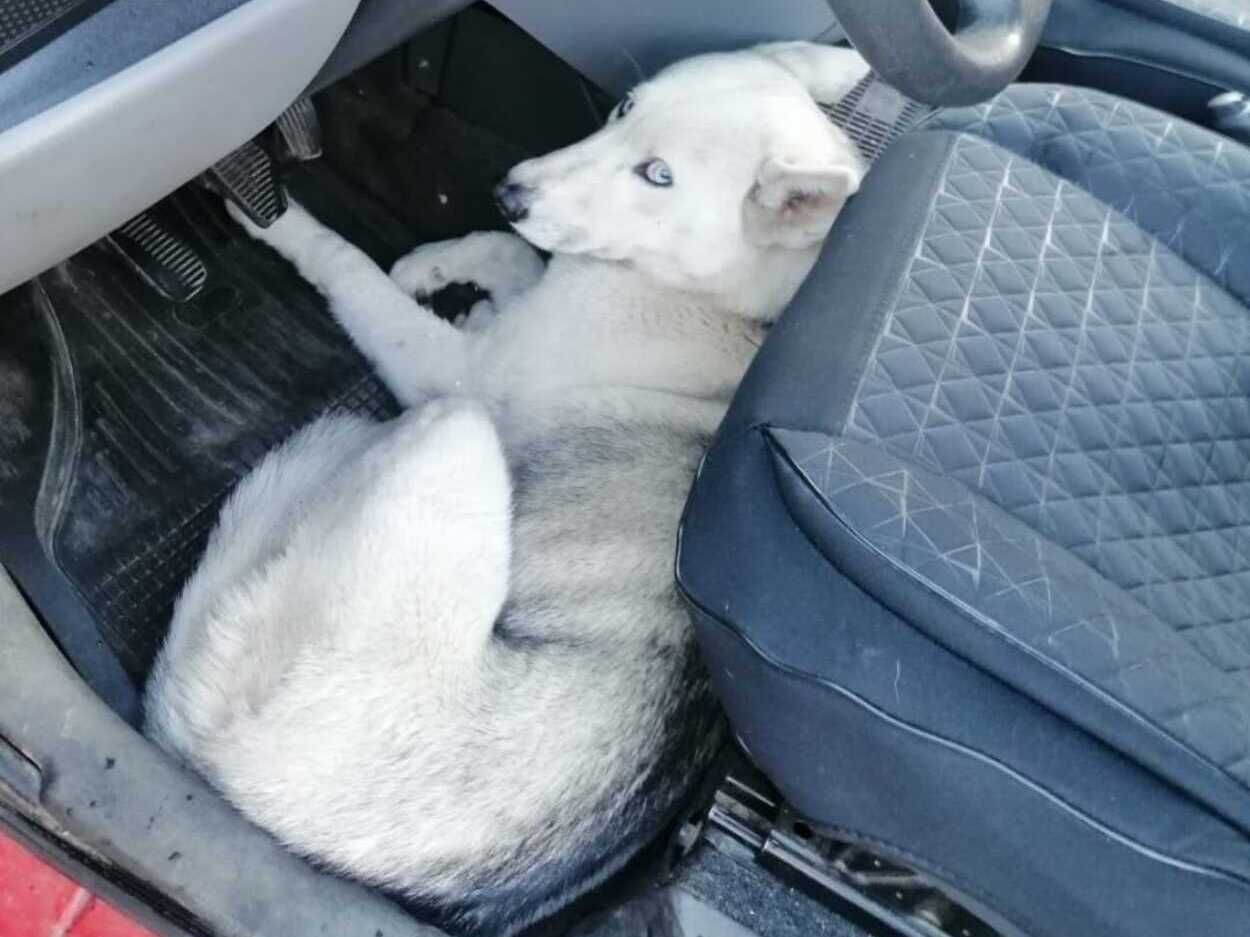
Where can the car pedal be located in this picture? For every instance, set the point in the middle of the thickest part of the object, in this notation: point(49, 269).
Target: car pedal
point(249, 178)
point(873, 113)
point(161, 260)
point(300, 130)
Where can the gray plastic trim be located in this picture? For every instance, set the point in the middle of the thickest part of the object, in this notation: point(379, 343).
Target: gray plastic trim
point(76, 171)
point(114, 37)
point(132, 818)
point(618, 44)
point(379, 26)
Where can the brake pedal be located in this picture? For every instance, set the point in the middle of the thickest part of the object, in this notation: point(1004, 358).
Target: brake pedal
point(300, 130)
point(159, 258)
point(249, 178)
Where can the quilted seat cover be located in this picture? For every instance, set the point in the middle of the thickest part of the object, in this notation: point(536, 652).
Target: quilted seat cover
point(1049, 351)
point(975, 536)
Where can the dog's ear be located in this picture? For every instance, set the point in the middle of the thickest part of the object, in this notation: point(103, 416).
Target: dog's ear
point(827, 72)
point(793, 206)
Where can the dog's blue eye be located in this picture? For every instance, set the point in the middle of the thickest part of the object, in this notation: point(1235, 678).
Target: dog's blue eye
point(623, 107)
point(656, 172)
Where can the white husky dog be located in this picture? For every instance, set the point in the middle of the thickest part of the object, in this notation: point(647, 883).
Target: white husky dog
point(445, 654)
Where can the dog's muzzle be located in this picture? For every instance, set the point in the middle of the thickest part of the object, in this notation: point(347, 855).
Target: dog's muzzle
point(513, 200)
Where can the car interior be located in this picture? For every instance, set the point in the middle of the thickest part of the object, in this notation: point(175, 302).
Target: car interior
point(968, 559)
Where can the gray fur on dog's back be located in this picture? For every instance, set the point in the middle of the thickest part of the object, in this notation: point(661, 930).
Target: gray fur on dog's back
point(599, 618)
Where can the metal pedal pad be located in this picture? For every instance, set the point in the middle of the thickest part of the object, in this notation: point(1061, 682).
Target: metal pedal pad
point(249, 178)
point(873, 113)
point(300, 130)
point(163, 261)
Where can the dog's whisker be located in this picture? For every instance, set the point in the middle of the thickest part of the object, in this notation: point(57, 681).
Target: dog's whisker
point(641, 75)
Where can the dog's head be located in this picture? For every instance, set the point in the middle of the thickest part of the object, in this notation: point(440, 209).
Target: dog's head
point(709, 169)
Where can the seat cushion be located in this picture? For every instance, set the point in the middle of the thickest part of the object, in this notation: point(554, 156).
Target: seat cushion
point(1007, 417)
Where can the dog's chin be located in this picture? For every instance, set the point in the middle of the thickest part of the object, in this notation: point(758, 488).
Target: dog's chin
point(538, 234)
point(553, 234)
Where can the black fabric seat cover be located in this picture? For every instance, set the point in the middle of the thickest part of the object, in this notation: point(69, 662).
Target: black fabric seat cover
point(971, 555)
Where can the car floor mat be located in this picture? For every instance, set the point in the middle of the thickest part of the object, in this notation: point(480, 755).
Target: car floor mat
point(126, 418)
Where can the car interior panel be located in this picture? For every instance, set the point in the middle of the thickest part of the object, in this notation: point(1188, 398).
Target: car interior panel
point(968, 558)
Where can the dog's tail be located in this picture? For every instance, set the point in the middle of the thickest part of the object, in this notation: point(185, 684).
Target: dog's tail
point(422, 545)
point(827, 72)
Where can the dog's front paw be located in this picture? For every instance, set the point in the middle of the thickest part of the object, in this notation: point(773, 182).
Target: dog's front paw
point(424, 271)
point(292, 229)
point(495, 261)
point(243, 221)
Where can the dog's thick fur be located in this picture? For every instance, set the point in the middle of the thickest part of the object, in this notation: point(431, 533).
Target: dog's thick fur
point(444, 654)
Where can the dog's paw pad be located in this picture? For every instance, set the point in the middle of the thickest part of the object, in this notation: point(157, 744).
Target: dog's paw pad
point(454, 301)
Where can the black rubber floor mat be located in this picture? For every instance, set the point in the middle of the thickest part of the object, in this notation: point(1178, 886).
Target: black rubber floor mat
point(433, 169)
point(125, 418)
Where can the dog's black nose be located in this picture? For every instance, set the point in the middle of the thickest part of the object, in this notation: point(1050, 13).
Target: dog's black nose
point(513, 200)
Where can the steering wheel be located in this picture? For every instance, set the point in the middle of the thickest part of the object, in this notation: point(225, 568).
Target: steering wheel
point(911, 49)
